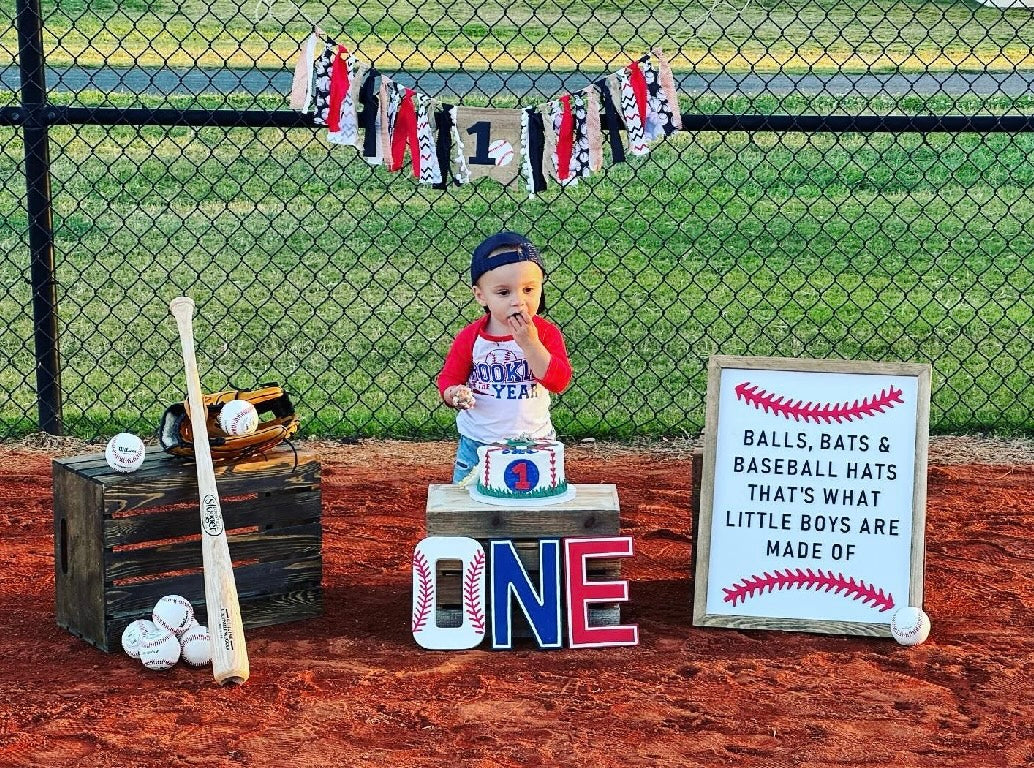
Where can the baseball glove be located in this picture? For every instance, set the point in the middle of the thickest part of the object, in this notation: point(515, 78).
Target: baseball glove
point(176, 436)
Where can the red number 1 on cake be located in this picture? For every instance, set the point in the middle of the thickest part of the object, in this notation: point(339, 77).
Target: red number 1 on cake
point(520, 469)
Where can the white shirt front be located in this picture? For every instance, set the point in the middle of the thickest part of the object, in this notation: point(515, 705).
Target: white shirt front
point(508, 401)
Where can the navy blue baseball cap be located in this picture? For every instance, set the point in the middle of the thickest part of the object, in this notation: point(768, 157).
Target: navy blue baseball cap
point(500, 249)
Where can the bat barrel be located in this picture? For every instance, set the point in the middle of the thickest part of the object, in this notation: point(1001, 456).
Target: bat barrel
point(182, 306)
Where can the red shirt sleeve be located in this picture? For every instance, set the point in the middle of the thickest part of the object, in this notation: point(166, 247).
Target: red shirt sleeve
point(460, 360)
point(558, 374)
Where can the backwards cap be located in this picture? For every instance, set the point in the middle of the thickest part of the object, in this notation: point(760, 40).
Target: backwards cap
point(501, 249)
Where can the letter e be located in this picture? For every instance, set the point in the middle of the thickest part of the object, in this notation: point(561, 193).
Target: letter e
point(581, 592)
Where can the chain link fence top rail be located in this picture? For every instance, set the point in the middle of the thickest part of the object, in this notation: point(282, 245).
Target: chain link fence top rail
point(347, 283)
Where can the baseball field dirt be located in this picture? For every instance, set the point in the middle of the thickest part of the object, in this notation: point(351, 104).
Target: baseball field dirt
point(351, 688)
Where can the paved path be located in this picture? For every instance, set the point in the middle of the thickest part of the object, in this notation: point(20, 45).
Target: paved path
point(140, 80)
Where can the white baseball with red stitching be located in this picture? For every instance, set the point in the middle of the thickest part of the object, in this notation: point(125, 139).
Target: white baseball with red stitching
point(238, 417)
point(173, 614)
point(501, 152)
point(910, 626)
point(125, 452)
point(196, 646)
point(133, 636)
point(160, 650)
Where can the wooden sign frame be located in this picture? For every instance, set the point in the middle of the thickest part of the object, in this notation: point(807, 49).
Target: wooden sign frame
point(842, 414)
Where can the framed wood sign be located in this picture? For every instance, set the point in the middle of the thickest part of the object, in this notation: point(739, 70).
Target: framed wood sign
point(813, 494)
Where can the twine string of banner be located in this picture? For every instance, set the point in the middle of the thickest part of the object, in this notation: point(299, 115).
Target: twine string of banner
point(625, 94)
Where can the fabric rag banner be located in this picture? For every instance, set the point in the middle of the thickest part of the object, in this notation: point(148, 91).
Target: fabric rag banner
point(557, 142)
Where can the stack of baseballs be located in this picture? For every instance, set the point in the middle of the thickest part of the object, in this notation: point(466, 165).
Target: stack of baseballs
point(169, 635)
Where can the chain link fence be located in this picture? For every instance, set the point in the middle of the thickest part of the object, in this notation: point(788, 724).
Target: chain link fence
point(854, 181)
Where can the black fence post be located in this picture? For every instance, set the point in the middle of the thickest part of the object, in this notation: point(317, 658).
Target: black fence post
point(38, 205)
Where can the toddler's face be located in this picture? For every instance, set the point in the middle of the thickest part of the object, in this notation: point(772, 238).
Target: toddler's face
point(510, 289)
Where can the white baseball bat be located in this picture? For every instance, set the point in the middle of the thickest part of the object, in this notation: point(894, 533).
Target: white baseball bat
point(229, 652)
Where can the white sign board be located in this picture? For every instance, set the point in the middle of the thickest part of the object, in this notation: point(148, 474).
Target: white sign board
point(813, 494)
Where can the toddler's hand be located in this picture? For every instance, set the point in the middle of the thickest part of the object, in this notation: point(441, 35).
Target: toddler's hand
point(462, 398)
point(523, 329)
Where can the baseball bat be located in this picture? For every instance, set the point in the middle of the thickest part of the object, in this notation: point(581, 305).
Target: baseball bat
point(229, 652)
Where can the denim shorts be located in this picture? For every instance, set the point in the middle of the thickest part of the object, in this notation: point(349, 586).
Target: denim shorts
point(466, 458)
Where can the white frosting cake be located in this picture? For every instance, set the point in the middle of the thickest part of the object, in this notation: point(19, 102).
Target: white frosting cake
point(521, 473)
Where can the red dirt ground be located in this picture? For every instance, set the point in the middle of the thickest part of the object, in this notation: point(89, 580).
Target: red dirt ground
point(352, 688)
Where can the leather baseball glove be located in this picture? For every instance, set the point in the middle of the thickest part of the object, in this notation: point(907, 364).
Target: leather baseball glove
point(176, 436)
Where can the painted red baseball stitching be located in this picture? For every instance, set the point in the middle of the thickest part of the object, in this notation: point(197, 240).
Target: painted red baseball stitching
point(471, 593)
point(816, 411)
point(425, 592)
point(808, 579)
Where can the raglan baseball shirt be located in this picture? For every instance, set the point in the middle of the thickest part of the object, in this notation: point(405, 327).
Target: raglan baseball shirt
point(508, 400)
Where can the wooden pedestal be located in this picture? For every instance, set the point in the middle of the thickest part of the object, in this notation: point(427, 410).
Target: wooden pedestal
point(122, 541)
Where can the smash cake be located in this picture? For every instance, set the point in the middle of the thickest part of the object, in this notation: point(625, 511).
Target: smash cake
point(521, 473)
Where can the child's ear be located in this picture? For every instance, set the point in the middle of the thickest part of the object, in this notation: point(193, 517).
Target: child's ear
point(479, 297)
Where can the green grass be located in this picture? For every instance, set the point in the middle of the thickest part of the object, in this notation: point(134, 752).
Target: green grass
point(539, 493)
point(347, 284)
point(828, 35)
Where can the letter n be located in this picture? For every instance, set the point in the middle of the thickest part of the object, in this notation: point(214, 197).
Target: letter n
point(542, 609)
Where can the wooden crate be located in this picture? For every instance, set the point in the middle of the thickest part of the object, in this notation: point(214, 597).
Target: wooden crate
point(593, 512)
point(121, 541)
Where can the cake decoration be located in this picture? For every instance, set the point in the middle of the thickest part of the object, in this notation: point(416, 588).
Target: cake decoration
point(521, 472)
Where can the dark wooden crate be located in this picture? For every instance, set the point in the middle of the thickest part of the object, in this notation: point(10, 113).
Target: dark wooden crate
point(122, 541)
point(593, 512)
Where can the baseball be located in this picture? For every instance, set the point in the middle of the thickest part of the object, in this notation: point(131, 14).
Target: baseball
point(133, 636)
point(173, 614)
point(125, 452)
point(196, 646)
point(501, 151)
point(910, 626)
point(238, 417)
point(160, 650)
